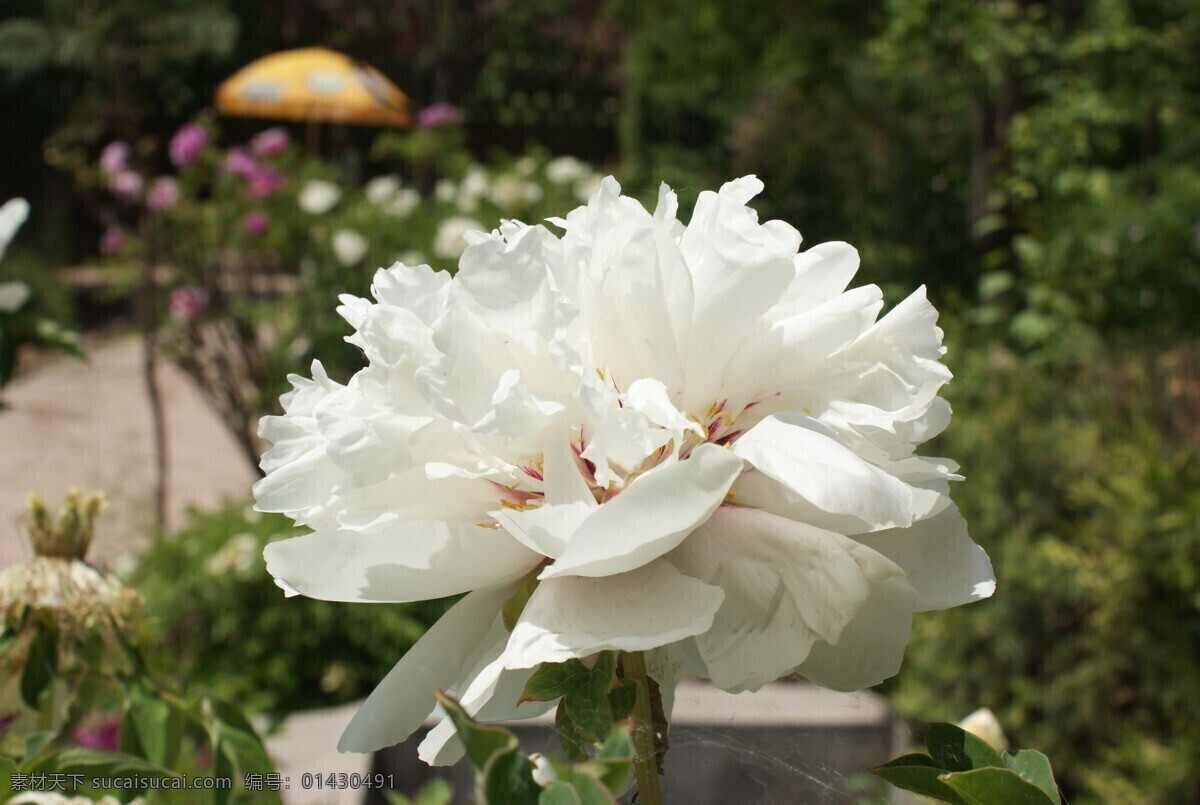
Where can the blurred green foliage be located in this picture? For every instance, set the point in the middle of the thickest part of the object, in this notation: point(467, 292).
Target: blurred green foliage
point(220, 623)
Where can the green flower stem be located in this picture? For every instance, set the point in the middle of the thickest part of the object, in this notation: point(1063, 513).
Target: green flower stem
point(645, 762)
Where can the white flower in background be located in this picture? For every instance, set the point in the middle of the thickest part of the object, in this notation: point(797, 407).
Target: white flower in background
point(983, 724)
point(14, 213)
point(506, 191)
point(238, 555)
point(471, 188)
point(587, 187)
point(13, 296)
point(349, 247)
point(55, 798)
point(381, 189)
point(526, 166)
point(318, 197)
point(565, 170)
point(450, 240)
point(694, 437)
point(403, 202)
point(445, 191)
point(411, 257)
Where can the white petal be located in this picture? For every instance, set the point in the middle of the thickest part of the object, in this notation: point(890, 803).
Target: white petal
point(413, 562)
point(790, 448)
point(547, 528)
point(653, 515)
point(871, 647)
point(942, 562)
point(645, 608)
point(787, 585)
point(399, 703)
point(562, 480)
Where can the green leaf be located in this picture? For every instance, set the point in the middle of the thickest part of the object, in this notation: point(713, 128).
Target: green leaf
point(592, 716)
point(573, 746)
point(559, 793)
point(41, 665)
point(508, 778)
point(96, 764)
point(614, 759)
point(992, 786)
point(554, 679)
point(435, 792)
point(918, 773)
point(955, 749)
point(481, 742)
point(37, 742)
point(592, 791)
point(152, 718)
point(230, 728)
point(622, 699)
point(1033, 766)
point(515, 605)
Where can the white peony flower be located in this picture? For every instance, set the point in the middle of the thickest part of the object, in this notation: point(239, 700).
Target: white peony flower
point(13, 296)
point(318, 197)
point(507, 191)
point(445, 191)
point(696, 440)
point(348, 247)
point(450, 240)
point(381, 189)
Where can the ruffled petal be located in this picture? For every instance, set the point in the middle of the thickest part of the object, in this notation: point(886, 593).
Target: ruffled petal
point(645, 608)
point(944, 565)
point(415, 561)
point(787, 585)
point(398, 705)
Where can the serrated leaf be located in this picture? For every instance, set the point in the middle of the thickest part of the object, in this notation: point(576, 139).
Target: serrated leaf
point(554, 679)
point(1033, 766)
point(41, 665)
point(573, 745)
point(992, 786)
point(481, 742)
point(955, 749)
point(559, 793)
point(507, 778)
point(918, 773)
point(592, 716)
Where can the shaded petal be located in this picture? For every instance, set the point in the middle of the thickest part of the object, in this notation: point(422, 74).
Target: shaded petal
point(653, 515)
point(792, 449)
point(399, 703)
point(787, 585)
point(415, 561)
point(942, 562)
point(575, 616)
point(871, 647)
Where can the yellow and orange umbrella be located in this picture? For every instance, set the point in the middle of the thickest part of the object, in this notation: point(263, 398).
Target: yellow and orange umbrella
point(314, 84)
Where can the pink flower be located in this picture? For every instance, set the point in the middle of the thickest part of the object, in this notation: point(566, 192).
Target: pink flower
point(440, 114)
point(256, 223)
point(115, 157)
point(101, 735)
point(239, 162)
point(263, 182)
point(187, 143)
point(188, 302)
point(127, 185)
point(163, 194)
point(270, 142)
point(112, 239)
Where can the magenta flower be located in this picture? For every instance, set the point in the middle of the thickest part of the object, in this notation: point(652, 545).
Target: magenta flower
point(270, 142)
point(256, 223)
point(187, 302)
point(163, 194)
point(127, 185)
point(440, 114)
point(115, 157)
point(102, 735)
point(239, 162)
point(263, 182)
point(112, 239)
point(187, 143)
